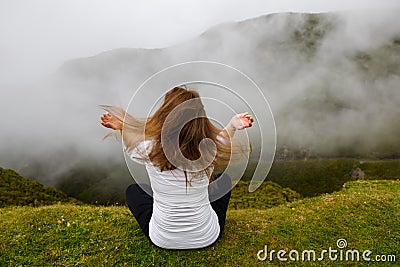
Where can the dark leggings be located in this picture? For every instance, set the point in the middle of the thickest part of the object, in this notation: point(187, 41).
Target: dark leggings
point(141, 204)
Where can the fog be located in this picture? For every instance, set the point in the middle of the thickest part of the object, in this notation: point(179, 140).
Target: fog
point(37, 36)
point(332, 81)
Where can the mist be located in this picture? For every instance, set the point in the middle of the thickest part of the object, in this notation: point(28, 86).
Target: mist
point(332, 80)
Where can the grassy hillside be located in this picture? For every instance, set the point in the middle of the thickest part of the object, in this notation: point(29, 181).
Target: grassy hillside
point(377, 170)
point(314, 177)
point(365, 213)
point(16, 190)
point(310, 177)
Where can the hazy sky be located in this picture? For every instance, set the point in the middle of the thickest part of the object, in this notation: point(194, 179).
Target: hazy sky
point(37, 36)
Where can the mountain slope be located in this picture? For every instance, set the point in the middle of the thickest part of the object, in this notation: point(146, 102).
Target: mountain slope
point(16, 190)
point(331, 78)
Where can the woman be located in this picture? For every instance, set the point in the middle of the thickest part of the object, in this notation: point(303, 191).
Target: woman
point(180, 148)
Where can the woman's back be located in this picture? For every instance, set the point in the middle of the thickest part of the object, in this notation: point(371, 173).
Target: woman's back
point(182, 215)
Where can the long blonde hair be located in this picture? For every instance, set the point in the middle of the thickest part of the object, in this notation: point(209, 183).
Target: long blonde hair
point(190, 124)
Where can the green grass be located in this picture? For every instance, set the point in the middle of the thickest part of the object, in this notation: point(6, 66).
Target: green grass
point(365, 213)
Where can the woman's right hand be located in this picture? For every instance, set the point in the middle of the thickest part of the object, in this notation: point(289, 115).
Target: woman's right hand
point(111, 121)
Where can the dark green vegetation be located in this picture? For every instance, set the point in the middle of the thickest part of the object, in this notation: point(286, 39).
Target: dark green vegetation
point(315, 177)
point(289, 180)
point(365, 213)
point(377, 170)
point(95, 183)
point(269, 194)
point(16, 190)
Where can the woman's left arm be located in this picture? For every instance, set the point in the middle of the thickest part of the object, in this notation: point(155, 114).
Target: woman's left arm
point(238, 122)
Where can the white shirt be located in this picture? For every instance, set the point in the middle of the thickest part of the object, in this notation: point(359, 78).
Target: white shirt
point(182, 215)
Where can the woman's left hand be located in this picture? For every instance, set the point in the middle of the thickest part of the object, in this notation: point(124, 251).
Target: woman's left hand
point(242, 121)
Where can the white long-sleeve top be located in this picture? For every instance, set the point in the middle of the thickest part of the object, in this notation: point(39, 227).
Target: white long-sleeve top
point(182, 215)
